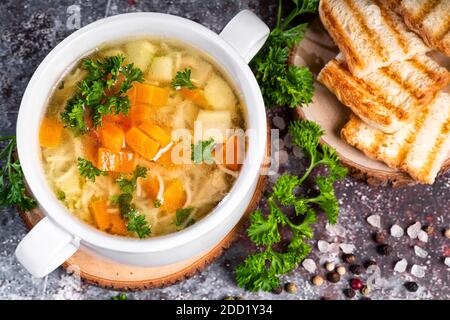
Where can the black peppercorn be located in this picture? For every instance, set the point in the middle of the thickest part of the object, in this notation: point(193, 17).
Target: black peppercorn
point(277, 290)
point(349, 258)
point(356, 269)
point(429, 229)
point(365, 298)
point(384, 249)
point(411, 286)
point(379, 237)
point(333, 277)
point(349, 293)
point(369, 263)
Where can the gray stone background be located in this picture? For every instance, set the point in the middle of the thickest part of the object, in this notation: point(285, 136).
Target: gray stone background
point(29, 29)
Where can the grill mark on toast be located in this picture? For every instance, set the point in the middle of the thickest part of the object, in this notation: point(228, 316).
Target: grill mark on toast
point(352, 53)
point(443, 30)
point(379, 140)
point(424, 11)
point(403, 84)
point(411, 138)
point(430, 73)
point(371, 36)
point(445, 129)
point(379, 96)
point(393, 26)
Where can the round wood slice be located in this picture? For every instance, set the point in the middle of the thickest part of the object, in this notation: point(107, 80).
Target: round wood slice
point(315, 51)
point(112, 275)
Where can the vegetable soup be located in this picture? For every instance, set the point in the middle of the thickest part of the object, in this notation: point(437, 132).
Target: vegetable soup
point(143, 137)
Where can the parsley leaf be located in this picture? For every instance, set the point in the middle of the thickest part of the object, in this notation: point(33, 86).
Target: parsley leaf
point(183, 79)
point(157, 203)
point(137, 223)
point(12, 185)
point(202, 151)
point(120, 296)
point(262, 270)
point(182, 215)
point(282, 84)
point(101, 92)
point(129, 185)
point(88, 170)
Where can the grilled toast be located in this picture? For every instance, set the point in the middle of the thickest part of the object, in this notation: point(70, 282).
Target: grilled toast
point(429, 18)
point(420, 148)
point(389, 97)
point(369, 35)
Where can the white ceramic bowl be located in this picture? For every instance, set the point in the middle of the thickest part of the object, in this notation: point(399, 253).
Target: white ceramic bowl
point(60, 233)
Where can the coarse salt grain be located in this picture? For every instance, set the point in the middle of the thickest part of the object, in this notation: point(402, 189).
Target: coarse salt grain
point(397, 231)
point(418, 271)
point(323, 246)
point(447, 262)
point(309, 265)
point(422, 253)
point(413, 230)
point(347, 248)
point(401, 265)
point(335, 230)
point(374, 221)
point(422, 236)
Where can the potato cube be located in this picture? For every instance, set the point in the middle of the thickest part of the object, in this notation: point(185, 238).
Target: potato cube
point(161, 69)
point(215, 124)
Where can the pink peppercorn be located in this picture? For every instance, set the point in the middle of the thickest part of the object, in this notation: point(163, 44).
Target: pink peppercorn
point(356, 284)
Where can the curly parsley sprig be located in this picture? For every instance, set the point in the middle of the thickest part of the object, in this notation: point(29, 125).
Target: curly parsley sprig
point(101, 92)
point(183, 79)
point(261, 270)
point(282, 84)
point(12, 186)
point(88, 170)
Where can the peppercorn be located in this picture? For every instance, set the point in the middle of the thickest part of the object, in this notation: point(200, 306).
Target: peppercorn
point(429, 229)
point(369, 263)
point(384, 249)
point(291, 287)
point(356, 269)
point(333, 277)
point(277, 290)
point(228, 298)
point(349, 293)
point(365, 291)
point(239, 298)
point(447, 233)
point(317, 280)
point(379, 237)
point(356, 284)
point(411, 286)
point(349, 258)
point(329, 266)
point(341, 270)
point(365, 298)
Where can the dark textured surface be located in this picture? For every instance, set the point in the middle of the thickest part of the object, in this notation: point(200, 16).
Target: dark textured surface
point(30, 29)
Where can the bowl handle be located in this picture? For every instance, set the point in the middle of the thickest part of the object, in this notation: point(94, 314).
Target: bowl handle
point(45, 248)
point(246, 33)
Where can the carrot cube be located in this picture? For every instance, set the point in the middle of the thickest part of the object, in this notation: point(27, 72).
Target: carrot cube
point(155, 132)
point(152, 95)
point(196, 95)
point(122, 161)
point(50, 133)
point(142, 144)
point(151, 187)
point(118, 226)
point(132, 95)
point(99, 211)
point(139, 113)
point(112, 137)
point(174, 196)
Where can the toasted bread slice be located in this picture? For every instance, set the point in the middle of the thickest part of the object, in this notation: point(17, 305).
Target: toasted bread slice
point(419, 148)
point(369, 35)
point(430, 19)
point(389, 97)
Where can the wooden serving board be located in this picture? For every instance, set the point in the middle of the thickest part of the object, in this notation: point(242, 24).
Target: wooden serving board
point(315, 51)
point(112, 275)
